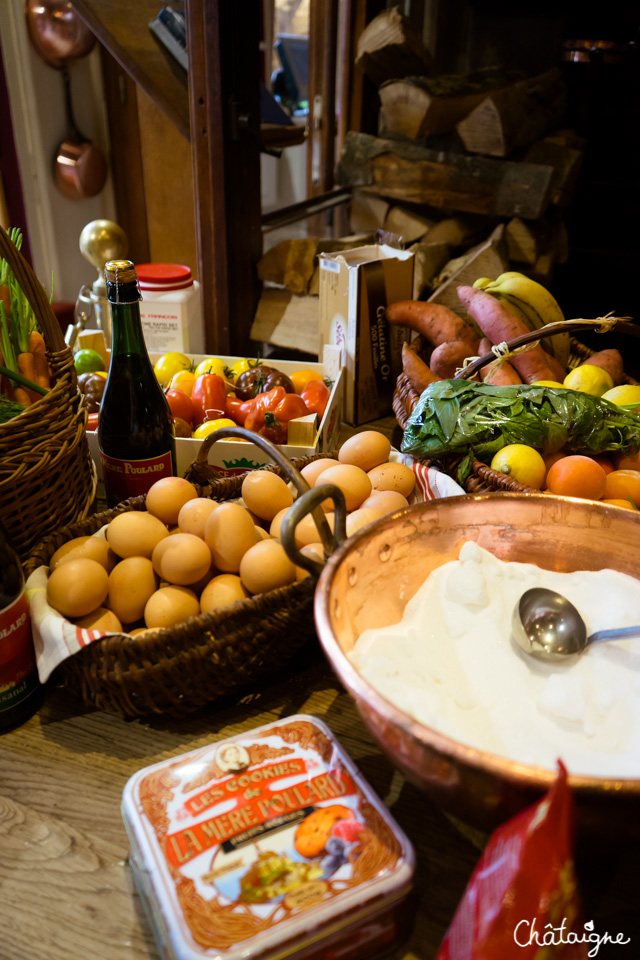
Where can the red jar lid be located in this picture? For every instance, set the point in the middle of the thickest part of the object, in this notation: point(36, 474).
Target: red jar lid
point(163, 276)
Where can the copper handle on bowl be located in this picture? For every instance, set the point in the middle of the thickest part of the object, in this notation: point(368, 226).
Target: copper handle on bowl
point(309, 503)
point(278, 458)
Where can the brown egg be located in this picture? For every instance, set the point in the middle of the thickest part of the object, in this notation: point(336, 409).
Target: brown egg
point(266, 566)
point(229, 532)
point(169, 606)
point(365, 450)
point(276, 523)
point(194, 515)
point(222, 591)
point(100, 619)
point(131, 584)
point(265, 494)
point(135, 533)
point(353, 481)
point(166, 496)
point(316, 552)
point(184, 560)
point(139, 631)
point(261, 533)
point(313, 470)
point(360, 518)
point(90, 548)
point(393, 476)
point(77, 587)
point(385, 501)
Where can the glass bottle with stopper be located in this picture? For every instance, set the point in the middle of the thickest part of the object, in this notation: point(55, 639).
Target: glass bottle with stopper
point(135, 430)
point(100, 241)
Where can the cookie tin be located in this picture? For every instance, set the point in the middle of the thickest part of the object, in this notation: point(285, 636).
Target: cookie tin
point(267, 845)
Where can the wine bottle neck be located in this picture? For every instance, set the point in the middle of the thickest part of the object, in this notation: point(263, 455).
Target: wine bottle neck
point(127, 336)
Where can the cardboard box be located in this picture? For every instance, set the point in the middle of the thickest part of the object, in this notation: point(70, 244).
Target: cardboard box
point(355, 286)
point(230, 457)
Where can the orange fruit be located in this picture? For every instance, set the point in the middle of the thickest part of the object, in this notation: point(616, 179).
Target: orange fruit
point(604, 462)
point(628, 462)
point(623, 484)
point(551, 458)
point(619, 503)
point(577, 476)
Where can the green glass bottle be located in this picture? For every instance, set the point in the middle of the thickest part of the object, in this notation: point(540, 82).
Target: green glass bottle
point(135, 432)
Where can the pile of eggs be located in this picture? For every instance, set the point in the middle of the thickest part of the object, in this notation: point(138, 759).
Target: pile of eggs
point(186, 555)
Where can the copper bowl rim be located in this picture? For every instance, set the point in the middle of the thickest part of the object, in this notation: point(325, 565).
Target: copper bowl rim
point(524, 775)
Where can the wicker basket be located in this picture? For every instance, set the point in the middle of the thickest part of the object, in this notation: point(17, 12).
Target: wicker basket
point(47, 476)
point(482, 478)
point(178, 669)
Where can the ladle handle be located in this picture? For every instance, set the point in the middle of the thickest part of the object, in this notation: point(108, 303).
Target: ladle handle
point(75, 134)
point(620, 633)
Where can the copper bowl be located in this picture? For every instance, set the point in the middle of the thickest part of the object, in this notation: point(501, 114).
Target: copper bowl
point(371, 577)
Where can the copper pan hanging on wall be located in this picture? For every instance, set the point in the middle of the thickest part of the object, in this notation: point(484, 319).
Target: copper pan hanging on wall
point(60, 38)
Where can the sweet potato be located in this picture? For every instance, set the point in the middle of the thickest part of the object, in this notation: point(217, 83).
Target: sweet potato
point(609, 360)
point(450, 355)
point(498, 323)
point(416, 370)
point(499, 374)
point(434, 322)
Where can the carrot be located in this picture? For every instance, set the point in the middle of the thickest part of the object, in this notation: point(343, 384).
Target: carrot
point(27, 367)
point(416, 370)
point(498, 323)
point(23, 396)
point(433, 321)
point(450, 355)
point(609, 360)
point(38, 348)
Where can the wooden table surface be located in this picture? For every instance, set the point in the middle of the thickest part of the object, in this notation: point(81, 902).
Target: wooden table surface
point(66, 888)
point(67, 891)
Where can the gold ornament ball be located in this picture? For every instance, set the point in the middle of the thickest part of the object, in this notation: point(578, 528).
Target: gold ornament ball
point(103, 240)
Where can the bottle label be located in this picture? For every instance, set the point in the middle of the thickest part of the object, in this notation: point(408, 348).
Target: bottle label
point(18, 675)
point(132, 478)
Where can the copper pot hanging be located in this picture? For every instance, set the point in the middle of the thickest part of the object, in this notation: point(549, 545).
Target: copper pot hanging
point(61, 39)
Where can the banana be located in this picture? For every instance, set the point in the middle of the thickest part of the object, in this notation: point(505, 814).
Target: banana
point(482, 282)
point(536, 301)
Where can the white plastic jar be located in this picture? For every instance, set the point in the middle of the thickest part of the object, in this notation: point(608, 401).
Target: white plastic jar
point(170, 308)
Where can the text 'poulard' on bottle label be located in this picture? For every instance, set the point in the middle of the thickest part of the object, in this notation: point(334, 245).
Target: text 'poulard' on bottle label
point(132, 478)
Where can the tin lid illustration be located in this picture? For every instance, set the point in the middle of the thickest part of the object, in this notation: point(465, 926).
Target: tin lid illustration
point(247, 845)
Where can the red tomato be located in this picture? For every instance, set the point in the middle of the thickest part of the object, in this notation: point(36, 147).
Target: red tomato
point(290, 407)
point(180, 404)
point(209, 398)
point(92, 421)
point(316, 396)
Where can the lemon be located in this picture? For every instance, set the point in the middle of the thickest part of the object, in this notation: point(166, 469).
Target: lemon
point(522, 463)
point(589, 379)
point(547, 383)
point(626, 393)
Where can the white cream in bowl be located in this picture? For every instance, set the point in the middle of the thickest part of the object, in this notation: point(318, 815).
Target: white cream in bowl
point(452, 665)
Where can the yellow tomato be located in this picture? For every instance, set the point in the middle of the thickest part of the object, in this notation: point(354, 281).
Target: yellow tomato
point(169, 364)
point(212, 365)
point(240, 366)
point(184, 381)
point(301, 378)
point(210, 425)
point(102, 373)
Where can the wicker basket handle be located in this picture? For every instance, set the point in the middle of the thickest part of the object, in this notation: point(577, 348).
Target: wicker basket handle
point(34, 292)
point(278, 458)
point(568, 326)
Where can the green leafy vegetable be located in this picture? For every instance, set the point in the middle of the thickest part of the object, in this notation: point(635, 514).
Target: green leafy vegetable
point(9, 409)
point(462, 417)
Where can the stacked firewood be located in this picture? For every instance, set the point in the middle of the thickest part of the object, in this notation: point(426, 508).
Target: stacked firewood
point(472, 171)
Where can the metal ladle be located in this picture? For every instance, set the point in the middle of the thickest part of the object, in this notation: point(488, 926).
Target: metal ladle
point(547, 626)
